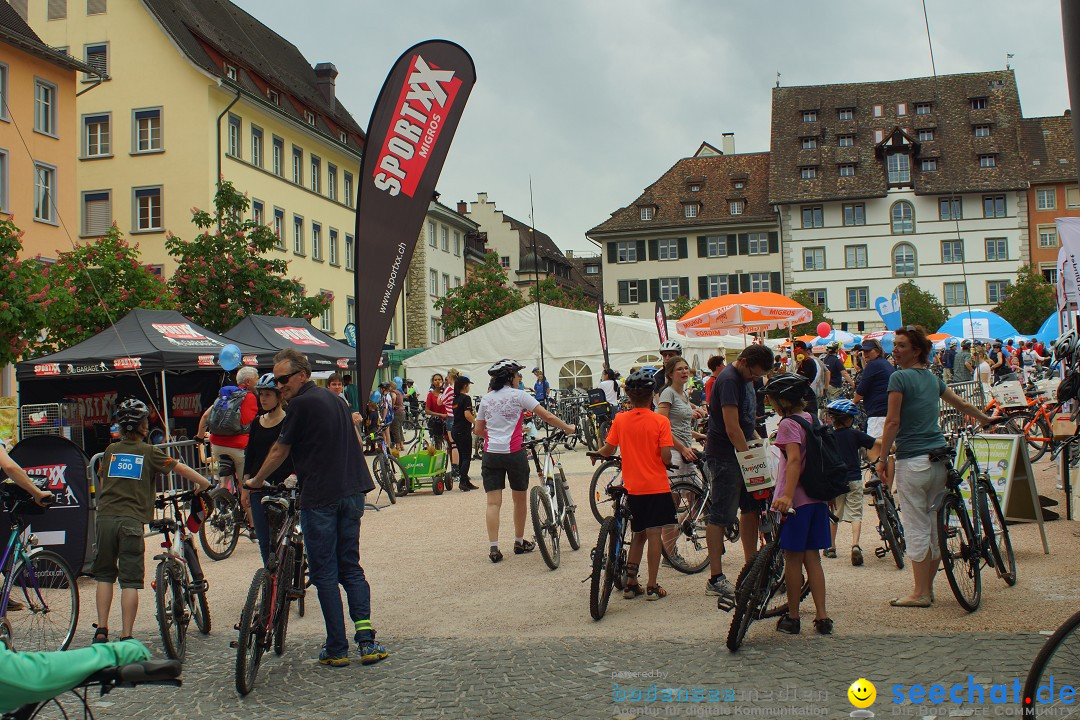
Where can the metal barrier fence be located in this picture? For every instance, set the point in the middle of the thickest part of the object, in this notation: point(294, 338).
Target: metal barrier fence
point(972, 391)
point(192, 453)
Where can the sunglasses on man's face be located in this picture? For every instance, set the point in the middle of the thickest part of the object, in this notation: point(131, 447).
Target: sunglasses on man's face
point(282, 379)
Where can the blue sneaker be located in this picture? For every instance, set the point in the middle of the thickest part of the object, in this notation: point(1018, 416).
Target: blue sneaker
point(332, 660)
point(371, 651)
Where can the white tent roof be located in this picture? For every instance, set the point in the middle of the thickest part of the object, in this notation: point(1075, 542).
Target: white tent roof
point(569, 336)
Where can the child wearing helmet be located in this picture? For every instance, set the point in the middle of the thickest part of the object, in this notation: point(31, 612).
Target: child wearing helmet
point(265, 430)
point(125, 503)
point(849, 508)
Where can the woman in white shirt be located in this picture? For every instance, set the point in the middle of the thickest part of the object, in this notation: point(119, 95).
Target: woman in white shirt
point(982, 369)
point(610, 386)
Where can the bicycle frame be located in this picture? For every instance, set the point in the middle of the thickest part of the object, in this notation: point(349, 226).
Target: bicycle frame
point(189, 558)
point(546, 474)
point(14, 552)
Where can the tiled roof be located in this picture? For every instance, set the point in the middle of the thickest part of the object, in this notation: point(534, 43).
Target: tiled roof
point(579, 262)
point(951, 118)
point(1048, 148)
point(716, 176)
point(11, 21)
point(547, 250)
point(13, 29)
point(208, 30)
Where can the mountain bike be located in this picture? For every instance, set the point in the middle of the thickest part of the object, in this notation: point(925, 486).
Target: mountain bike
point(888, 515)
point(1058, 658)
point(221, 528)
point(387, 469)
point(609, 556)
point(552, 508)
point(608, 474)
point(179, 585)
point(264, 620)
point(689, 553)
point(968, 539)
point(39, 600)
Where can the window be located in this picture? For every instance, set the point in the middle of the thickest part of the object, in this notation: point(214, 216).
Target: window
point(434, 331)
point(878, 110)
point(331, 181)
point(669, 288)
point(736, 207)
point(257, 212)
point(982, 131)
point(5, 182)
point(855, 256)
point(148, 209)
point(1072, 197)
point(349, 199)
point(814, 258)
point(97, 213)
point(813, 216)
point(445, 283)
point(3, 91)
point(854, 214)
point(278, 159)
point(273, 96)
point(695, 187)
point(504, 261)
point(978, 103)
point(298, 235)
point(715, 286)
point(310, 117)
point(230, 72)
point(858, 298)
point(993, 206)
point(817, 297)
point(928, 164)
point(316, 241)
point(1050, 274)
point(1048, 236)
point(845, 140)
point(956, 294)
point(901, 109)
point(44, 187)
point(667, 249)
point(445, 238)
point(57, 9)
point(433, 283)
point(925, 135)
point(626, 251)
point(1046, 199)
point(279, 228)
point(350, 253)
point(809, 143)
point(809, 116)
point(808, 173)
point(760, 282)
point(297, 165)
point(845, 113)
point(647, 213)
point(715, 246)
point(97, 57)
point(952, 251)
point(457, 281)
point(922, 108)
point(148, 136)
point(950, 208)
point(326, 320)
point(592, 269)
point(44, 107)
point(847, 170)
point(96, 136)
point(997, 249)
point(233, 148)
point(903, 260)
point(903, 218)
point(995, 291)
point(879, 135)
point(316, 173)
point(431, 237)
point(690, 210)
point(758, 243)
point(987, 161)
point(256, 146)
point(899, 169)
point(739, 184)
point(350, 315)
point(343, 137)
point(457, 243)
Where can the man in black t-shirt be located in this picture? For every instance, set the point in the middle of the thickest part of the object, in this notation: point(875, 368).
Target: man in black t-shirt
point(837, 374)
point(808, 368)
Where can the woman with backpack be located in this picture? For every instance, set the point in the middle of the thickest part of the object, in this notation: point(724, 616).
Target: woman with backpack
point(915, 396)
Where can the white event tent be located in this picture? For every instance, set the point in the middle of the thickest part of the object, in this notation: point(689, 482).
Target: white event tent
point(572, 354)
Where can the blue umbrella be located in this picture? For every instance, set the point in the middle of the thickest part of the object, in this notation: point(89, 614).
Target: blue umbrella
point(1048, 332)
point(978, 325)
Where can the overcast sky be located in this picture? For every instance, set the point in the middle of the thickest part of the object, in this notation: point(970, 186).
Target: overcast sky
point(596, 99)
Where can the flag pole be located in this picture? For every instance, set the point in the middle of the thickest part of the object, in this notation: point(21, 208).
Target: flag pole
point(536, 276)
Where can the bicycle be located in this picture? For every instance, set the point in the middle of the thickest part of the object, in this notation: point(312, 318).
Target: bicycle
point(691, 504)
point(552, 508)
point(889, 527)
point(179, 585)
point(152, 672)
point(608, 474)
point(968, 540)
point(609, 556)
point(1057, 658)
point(264, 621)
point(221, 528)
point(37, 579)
point(389, 473)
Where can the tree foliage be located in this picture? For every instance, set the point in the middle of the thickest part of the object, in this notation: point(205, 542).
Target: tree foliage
point(610, 309)
point(225, 275)
point(485, 296)
point(1028, 301)
point(918, 307)
point(679, 307)
point(551, 293)
point(22, 314)
point(95, 284)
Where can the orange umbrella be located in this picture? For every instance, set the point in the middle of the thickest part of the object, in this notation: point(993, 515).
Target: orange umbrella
point(742, 313)
point(938, 337)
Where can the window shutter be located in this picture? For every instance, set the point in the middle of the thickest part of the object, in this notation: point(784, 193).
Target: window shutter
point(97, 57)
point(624, 291)
point(97, 214)
point(775, 284)
point(744, 243)
point(732, 283)
point(744, 283)
point(57, 9)
point(732, 245)
point(703, 287)
point(774, 242)
point(654, 289)
point(640, 250)
point(641, 290)
point(613, 252)
point(684, 285)
point(702, 246)
point(654, 249)
point(95, 7)
point(683, 250)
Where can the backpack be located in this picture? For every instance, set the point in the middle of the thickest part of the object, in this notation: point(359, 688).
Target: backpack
point(818, 383)
point(224, 417)
point(825, 475)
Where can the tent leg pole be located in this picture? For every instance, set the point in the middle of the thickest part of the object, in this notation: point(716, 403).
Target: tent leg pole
point(165, 408)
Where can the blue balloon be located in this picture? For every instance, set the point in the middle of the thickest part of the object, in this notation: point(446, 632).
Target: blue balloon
point(229, 358)
point(376, 396)
point(399, 383)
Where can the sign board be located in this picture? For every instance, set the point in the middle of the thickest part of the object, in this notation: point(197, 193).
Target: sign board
point(977, 328)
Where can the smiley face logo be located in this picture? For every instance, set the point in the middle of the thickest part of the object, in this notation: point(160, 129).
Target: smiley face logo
point(862, 693)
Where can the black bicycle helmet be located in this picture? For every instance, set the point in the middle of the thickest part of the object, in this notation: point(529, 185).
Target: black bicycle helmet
point(786, 386)
point(505, 368)
point(641, 379)
point(1065, 345)
point(130, 414)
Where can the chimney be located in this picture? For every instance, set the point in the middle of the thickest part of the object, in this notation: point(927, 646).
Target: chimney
point(728, 145)
point(324, 80)
point(569, 254)
point(462, 207)
point(481, 198)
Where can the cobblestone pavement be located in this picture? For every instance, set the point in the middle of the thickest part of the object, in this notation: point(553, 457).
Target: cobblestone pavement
point(574, 678)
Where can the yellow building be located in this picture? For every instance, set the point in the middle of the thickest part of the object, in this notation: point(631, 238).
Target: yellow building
point(197, 90)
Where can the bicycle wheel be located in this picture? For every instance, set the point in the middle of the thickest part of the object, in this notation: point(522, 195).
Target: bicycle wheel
point(46, 586)
point(959, 556)
point(544, 525)
point(172, 615)
point(996, 533)
point(200, 610)
point(283, 578)
point(889, 521)
point(751, 592)
point(1035, 430)
point(609, 473)
point(569, 521)
point(603, 569)
point(384, 476)
point(588, 431)
point(250, 646)
point(775, 603)
point(689, 552)
point(221, 528)
point(1060, 658)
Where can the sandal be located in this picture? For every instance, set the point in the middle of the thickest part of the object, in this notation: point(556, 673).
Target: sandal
point(856, 555)
point(101, 634)
point(525, 546)
point(495, 555)
point(655, 592)
point(632, 588)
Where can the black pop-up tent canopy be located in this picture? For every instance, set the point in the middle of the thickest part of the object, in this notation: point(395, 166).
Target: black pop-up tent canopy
point(323, 351)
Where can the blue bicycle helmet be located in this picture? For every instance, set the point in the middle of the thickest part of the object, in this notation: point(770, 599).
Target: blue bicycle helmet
point(843, 406)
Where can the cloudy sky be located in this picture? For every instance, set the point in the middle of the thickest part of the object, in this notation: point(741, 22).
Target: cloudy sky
point(595, 99)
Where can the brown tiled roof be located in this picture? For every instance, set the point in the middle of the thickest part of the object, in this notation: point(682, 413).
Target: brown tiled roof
point(547, 250)
point(580, 261)
point(1045, 143)
point(951, 118)
point(717, 176)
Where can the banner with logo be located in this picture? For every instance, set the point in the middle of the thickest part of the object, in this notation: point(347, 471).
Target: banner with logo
point(601, 324)
point(1068, 262)
point(96, 407)
point(660, 314)
point(889, 310)
point(408, 136)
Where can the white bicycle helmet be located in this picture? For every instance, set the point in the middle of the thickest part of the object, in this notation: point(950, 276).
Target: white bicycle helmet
point(833, 346)
point(671, 346)
point(1065, 345)
point(505, 367)
point(266, 382)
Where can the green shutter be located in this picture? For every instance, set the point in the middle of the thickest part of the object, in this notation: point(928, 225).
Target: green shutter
point(654, 289)
point(613, 252)
point(683, 250)
point(624, 291)
point(775, 283)
point(684, 286)
point(654, 249)
point(733, 283)
point(703, 287)
point(640, 250)
point(732, 245)
point(744, 283)
point(642, 289)
point(774, 242)
point(702, 246)
point(744, 243)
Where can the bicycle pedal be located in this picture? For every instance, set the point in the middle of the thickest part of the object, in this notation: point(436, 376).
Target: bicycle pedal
point(234, 644)
point(727, 604)
point(880, 552)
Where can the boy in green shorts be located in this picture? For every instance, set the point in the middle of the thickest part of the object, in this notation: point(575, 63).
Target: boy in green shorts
point(126, 494)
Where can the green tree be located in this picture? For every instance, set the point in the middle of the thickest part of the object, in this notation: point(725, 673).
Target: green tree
point(551, 293)
point(485, 296)
point(95, 284)
point(918, 307)
point(1028, 301)
point(610, 309)
point(820, 312)
point(679, 307)
point(22, 312)
point(225, 275)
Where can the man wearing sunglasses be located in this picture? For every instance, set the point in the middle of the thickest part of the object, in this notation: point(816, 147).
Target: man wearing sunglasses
point(319, 435)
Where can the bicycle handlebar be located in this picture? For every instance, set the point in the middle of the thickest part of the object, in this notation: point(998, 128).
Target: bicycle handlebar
point(164, 672)
point(165, 498)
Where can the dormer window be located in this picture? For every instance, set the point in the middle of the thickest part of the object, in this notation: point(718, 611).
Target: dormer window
point(739, 184)
point(988, 161)
point(922, 108)
point(737, 207)
point(690, 210)
point(809, 143)
point(695, 187)
point(310, 117)
point(230, 72)
point(847, 170)
point(809, 116)
point(647, 212)
point(899, 166)
point(979, 103)
point(982, 131)
point(846, 113)
point(901, 109)
point(808, 173)
point(344, 137)
point(273, 96)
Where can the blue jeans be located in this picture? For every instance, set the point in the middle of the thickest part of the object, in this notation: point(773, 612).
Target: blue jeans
point(261, 524)
point(332, 537)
